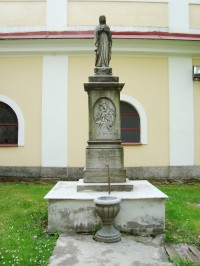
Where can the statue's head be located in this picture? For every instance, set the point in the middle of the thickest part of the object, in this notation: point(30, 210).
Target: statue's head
point(102, 19)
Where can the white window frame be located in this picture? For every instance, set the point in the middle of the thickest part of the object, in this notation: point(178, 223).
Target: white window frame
point(20, 117)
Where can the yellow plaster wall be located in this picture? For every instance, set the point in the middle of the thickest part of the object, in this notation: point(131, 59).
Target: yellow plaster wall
point(29, 13)
point(21, 80)
point(196, 118)
point(118, 13)
point(146, 79)
point(194, 15)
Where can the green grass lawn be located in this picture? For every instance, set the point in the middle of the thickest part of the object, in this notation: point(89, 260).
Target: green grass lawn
point(23, 220)
point(23, 216)
point(182, 213)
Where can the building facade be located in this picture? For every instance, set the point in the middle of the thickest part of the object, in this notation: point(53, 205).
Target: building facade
point(46, 55)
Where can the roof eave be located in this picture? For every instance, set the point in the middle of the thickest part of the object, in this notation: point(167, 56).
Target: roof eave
point(154, 35)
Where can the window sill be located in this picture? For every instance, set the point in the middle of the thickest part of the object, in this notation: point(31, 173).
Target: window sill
point(131, 144)
point(8, 145)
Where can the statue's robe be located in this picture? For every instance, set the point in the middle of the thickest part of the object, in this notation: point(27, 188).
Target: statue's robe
point(103, 44)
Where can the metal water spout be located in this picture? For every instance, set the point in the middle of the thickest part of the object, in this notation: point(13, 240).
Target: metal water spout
point(109, 188)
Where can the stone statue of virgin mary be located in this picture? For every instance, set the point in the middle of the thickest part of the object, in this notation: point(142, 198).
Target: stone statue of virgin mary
point(103, 43)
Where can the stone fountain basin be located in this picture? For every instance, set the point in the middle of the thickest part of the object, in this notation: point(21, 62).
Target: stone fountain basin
point(107, 200)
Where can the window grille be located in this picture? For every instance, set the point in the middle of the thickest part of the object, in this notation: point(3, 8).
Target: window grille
point(130, 123)
point(8, 125)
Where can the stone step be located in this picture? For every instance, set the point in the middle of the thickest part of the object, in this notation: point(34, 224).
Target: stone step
point(125, 186)
point(183, 251)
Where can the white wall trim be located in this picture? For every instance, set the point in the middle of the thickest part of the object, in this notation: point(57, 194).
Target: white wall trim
point(143, 117)
point(181, 108)
point(178, 15)
point(54, 110)
point(122, 47)
point(19, 115)
point(56, 14)
point(194, 1)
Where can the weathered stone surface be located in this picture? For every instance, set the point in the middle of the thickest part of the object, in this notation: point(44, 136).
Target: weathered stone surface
point(103, 44)
point(142, 210)
point(104, 145)
point(64, 217)
point(147, 172)
point(169, 174)
point(83, 186)
point(103, 78)
point(82, 250)
point(74, 173)
point(103, 85)
point(54, 171)
point(20, 172)
point(98, 175)
point(103, 71)
point(98, 158)
point(184, 171)
point(107, 207)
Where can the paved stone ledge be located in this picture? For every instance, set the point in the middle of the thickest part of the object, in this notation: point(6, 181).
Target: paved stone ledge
point(82, 250)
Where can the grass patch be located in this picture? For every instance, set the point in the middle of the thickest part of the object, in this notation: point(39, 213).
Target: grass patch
point(23, 218)
point(183, 262)
point(182, 213)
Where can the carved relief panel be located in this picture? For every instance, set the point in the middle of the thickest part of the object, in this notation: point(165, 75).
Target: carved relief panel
point(104, 112)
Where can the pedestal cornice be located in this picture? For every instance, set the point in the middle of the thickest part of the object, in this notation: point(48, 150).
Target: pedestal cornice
point(103, 86)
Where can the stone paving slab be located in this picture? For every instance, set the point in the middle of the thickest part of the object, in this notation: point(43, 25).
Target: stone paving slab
point(82, 250)
point(183, 251)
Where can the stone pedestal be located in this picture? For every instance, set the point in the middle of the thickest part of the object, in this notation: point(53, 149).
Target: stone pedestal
point(142, 210)
point(107, 207)
point(104, 144)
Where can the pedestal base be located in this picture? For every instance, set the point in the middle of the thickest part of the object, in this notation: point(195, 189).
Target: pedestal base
point(98, 154)
point(99, 175)
point(142, 209)
point(108, 234)
point(125, 186)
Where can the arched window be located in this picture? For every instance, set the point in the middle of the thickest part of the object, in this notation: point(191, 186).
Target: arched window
point(130, 123)
point(8, 125)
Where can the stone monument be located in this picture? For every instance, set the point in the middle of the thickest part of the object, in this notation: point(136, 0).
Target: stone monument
point(71, 204)
point(104, 148)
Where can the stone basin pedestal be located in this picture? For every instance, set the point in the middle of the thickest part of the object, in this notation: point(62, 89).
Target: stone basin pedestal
point(107, 207)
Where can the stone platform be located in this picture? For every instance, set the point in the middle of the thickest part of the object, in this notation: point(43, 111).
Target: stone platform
point(142, 209)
